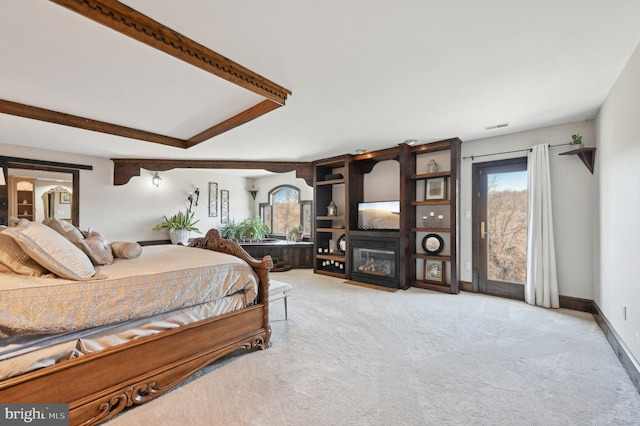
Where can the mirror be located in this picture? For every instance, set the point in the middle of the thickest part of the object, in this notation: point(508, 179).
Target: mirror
point(54, 188)
point(57, 203)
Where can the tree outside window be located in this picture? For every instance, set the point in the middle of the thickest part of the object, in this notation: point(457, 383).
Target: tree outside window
point(285, 203)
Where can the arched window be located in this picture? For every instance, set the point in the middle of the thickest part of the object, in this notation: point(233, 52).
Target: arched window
point(285, 211)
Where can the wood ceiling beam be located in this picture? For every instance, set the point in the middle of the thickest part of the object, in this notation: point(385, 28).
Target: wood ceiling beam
point(134, 24)
point(235, 121)
point(27, 111)
point(126, 168)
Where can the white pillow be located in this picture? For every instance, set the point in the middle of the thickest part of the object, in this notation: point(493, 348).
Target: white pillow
point(51, 250)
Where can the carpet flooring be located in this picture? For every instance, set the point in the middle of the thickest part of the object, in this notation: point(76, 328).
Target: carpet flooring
point(351, 355)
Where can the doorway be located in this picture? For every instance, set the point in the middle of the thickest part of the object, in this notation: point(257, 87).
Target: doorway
point(500, 227)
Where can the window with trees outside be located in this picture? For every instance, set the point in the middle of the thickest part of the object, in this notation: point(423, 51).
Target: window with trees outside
point(285, 211)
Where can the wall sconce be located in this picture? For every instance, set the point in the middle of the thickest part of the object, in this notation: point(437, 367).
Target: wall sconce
point(3, 182)
point(253, 191)
point(193, 201)
point(156, 180)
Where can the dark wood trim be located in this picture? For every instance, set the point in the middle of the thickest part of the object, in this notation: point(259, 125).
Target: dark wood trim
point(466, 286)
point(52, 166)
point(576, 304)
point(627, 360)
point(134, 24)
point(235, 121)
point(126, 168)
point(49, 116)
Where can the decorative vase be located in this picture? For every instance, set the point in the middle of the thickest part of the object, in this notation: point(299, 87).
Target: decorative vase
point(179, 236)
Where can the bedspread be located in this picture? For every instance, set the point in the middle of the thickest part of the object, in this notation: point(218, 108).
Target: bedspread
point(164, 278)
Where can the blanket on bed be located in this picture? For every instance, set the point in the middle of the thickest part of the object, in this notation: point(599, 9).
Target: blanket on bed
point(163, 279)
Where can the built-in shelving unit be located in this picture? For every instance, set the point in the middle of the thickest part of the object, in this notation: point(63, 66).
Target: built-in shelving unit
point(432, 211)
point(331, 184)
point(347, 191)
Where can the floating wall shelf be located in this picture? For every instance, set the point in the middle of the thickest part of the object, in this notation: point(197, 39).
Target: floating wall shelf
point(587, 155)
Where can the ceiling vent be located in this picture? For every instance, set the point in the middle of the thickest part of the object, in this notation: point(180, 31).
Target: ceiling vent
point(497, 126)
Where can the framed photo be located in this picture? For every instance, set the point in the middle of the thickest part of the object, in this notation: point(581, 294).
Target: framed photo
point(434, 271)
point(213, 199)
point(65, 198)
point(436, 189)
point(224, 206)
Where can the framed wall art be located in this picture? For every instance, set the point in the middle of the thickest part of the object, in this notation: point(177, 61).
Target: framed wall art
point(434, 271)
point(436, 189)
point(213, 199)
point(224, 206)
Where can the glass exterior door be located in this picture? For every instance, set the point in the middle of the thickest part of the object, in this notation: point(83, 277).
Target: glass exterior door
point(500, 227)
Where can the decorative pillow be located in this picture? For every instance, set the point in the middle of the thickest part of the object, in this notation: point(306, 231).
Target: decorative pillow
point(125, 249)
point(98, 250)
point(52, 250)
point(16, 260)
point(65, 229)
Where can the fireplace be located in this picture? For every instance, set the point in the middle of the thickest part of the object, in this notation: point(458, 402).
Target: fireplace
point(374, 258)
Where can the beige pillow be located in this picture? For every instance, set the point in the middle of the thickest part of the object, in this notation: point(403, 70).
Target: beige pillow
point(65, 229)
point(98, 249)
point(52, 250)
point(15, 259)
point(126, 249)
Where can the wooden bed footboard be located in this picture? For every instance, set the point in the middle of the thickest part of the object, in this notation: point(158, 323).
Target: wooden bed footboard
point(100, 385)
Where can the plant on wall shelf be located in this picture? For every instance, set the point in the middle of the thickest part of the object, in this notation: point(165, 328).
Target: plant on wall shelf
point(576, 139)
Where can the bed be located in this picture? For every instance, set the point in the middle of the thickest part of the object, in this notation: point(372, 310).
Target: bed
point(110, 367)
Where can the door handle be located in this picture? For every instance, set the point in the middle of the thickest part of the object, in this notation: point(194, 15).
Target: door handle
point(483, 232)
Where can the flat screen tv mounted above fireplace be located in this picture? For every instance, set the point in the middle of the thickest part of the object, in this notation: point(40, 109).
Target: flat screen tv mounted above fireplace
point(379, 215)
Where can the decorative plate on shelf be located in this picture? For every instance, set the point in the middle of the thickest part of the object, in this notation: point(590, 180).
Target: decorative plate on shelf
point(432, 244)
point(341, 245)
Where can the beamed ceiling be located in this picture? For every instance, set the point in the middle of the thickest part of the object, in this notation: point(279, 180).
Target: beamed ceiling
point(208, 79)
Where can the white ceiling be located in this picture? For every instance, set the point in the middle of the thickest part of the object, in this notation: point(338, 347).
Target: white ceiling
point(364, 73)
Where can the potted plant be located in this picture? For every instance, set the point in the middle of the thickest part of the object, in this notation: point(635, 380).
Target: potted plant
point(231, 230)
point(254, 229)
point(179, 226)
point(295, 234)
point(576, 139)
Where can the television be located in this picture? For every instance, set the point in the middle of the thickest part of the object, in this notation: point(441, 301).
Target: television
point(379, 215)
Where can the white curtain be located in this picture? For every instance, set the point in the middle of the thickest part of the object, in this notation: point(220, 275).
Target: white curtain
point(542, 282)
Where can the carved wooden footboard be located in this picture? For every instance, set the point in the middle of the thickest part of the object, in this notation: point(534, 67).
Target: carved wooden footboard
point(100, 385)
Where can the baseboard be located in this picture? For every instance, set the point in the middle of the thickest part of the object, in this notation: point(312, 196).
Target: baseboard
point(466, 286)
point(626, 358)
point(576, 304)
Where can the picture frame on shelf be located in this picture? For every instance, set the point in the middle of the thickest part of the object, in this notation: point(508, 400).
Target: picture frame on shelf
point(434, 271)
point(436, 189)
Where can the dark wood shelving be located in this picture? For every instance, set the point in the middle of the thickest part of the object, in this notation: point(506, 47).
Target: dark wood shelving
point(430, 203)
point(430, 175)
point(430, 257)
point(331, 182)
point(421, 229)
point(587, 155)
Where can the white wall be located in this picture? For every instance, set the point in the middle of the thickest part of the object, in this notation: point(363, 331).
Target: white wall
point(129, 212)
point(617, 266)
point(572, 199)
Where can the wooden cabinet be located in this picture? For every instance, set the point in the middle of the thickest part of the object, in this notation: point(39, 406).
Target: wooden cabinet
point(22, 198)
point(433, 215)
point(331, 185)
